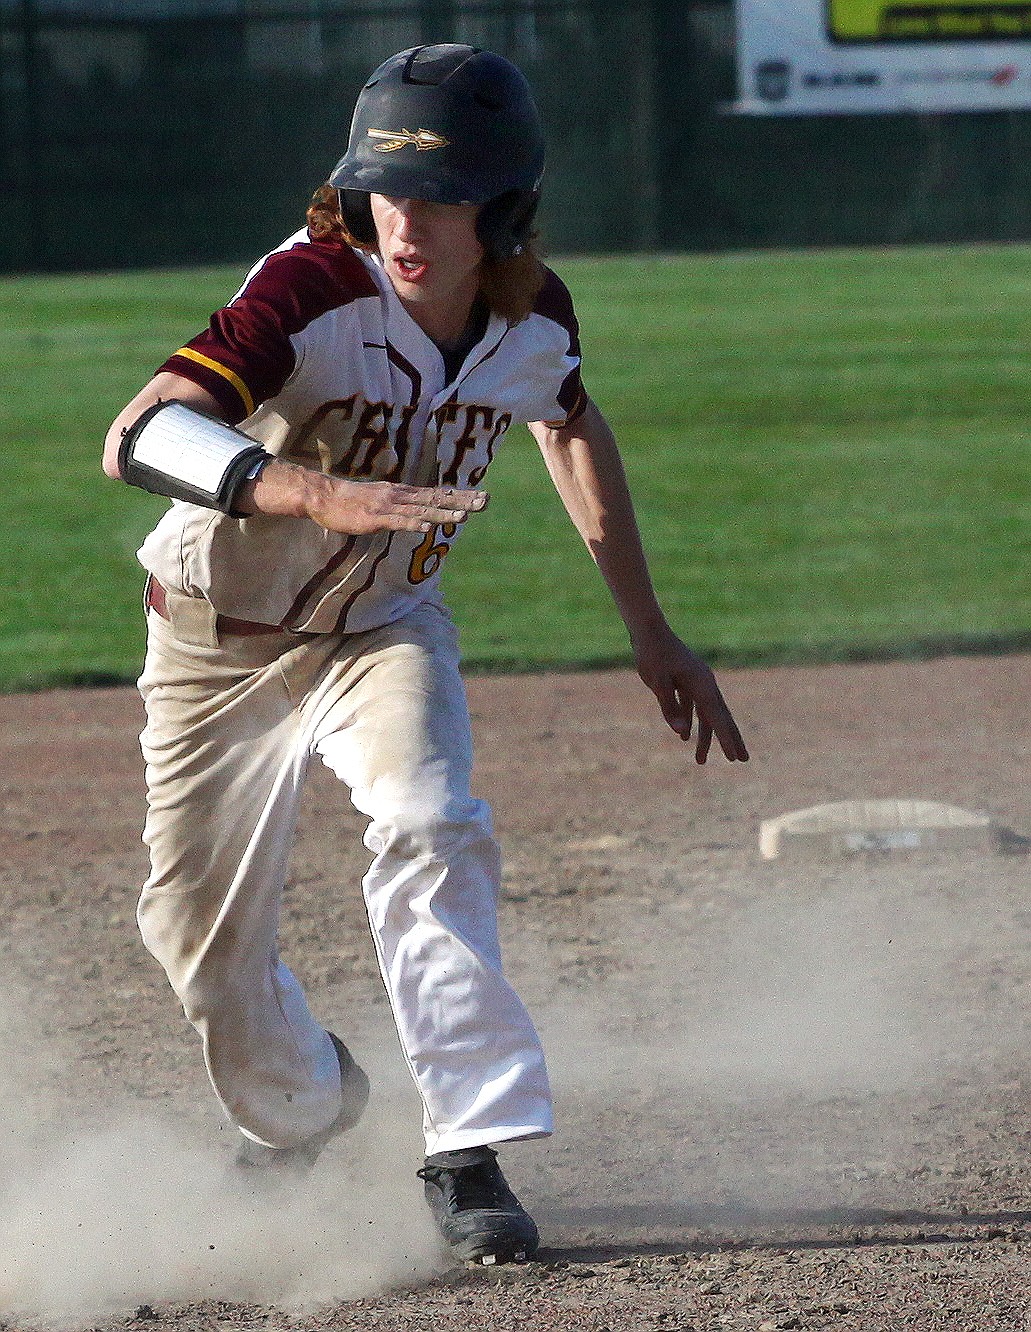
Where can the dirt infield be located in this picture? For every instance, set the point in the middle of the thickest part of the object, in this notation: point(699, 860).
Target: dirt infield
point(791, 1094)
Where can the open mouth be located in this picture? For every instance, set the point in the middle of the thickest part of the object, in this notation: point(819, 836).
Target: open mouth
point(410, 269)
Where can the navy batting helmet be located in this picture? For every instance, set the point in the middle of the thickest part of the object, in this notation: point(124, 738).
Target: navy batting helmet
point(450, 124)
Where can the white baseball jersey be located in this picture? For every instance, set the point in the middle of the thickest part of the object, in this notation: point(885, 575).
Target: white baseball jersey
point(316, 358)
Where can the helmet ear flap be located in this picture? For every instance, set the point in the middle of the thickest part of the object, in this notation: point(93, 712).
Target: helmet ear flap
point(356, 210)
point(503, 226)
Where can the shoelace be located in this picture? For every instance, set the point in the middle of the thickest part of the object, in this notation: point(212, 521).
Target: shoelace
point(470, 1186)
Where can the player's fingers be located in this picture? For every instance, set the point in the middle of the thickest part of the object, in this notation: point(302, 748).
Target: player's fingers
point(409, 520)
point(472, 501)
point(384, 506)
point(727, 733)
point(443, 499)
point(677, 710)
point(415, 517)
point(701, 752)
point(430, 515)
point(714, 717)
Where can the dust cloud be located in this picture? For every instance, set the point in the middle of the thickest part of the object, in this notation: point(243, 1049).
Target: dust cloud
point(747, 1055)
point(124, 1208)
point(785, 1046)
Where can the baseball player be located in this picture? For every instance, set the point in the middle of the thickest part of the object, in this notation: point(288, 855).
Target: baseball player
point(323, 442)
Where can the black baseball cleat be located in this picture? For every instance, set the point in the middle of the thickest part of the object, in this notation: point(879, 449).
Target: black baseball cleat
point(299, 1159)
point(477, 1213)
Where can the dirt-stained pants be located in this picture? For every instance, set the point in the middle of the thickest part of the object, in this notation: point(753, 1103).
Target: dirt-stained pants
point(230, 730)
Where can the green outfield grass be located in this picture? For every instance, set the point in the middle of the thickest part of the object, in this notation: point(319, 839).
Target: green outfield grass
point(827, 450)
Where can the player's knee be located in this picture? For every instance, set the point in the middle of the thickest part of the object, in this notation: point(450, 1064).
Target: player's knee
point(431, 830)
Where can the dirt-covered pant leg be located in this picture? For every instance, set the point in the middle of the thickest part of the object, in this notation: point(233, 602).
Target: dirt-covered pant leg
point(225, 759)
point(401, 742)
point(229, 734)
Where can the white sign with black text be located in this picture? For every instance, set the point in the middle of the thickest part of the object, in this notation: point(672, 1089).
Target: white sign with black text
point(827, 57)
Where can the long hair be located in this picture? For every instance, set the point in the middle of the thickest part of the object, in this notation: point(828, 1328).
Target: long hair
point(509, 286)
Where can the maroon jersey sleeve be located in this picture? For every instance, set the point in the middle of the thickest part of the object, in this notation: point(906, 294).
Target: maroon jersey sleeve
point(245, 354)
point(555, 303)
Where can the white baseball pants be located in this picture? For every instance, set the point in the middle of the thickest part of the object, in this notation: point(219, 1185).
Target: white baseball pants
point(229, 734)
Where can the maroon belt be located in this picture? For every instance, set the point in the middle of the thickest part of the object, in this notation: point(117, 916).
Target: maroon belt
point(157, 601)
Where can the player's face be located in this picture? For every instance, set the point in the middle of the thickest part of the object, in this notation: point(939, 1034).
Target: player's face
point(430, 252)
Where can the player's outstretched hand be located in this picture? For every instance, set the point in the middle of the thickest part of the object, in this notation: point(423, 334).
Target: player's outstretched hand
point(360, 507)
point(688, 693)
point(384, 506)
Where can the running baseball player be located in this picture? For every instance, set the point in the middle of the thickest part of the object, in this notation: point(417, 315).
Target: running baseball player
point(323, 442)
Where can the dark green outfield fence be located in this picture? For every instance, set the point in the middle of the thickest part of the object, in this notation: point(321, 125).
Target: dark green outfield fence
point(153, 132)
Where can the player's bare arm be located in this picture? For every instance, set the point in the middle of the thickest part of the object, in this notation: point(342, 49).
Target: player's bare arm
point(288, 490)
point(584, 463)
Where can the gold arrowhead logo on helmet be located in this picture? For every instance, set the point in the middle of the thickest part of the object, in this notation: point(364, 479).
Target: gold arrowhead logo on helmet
point(422, 140)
